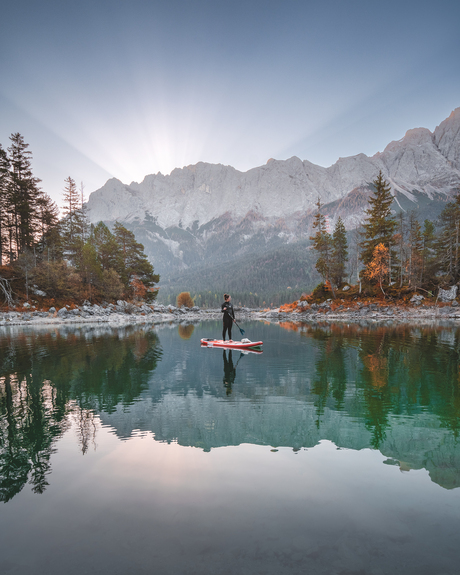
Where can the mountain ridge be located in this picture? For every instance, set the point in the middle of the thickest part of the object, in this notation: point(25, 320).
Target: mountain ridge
point(203, 215)
point(422, 161)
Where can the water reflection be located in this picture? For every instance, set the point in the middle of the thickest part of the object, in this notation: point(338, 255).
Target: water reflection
point(185, 330)
point(401, 370)
point(230, 369)
point(49, 380)
point(392, 389)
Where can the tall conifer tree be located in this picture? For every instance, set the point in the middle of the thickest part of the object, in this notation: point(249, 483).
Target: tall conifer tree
point(74, 224)
point(339, 252)
point(50, 244)
point(380, 224)
point(428, 253)
point(106, 245)
point(322, 244)
point(23, 195)
point(133, 262)
point(448, 244)
point(4, 184)
point(415, 264)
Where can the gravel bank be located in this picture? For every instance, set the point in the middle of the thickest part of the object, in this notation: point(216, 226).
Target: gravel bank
point(124, 313)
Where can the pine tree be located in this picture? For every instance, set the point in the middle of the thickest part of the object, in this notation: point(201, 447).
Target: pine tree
point(74, 224)
point(400, 239)
point(23, 194)
point(106, 245)
point(380, 225)
point(90, 267)
point(339, 253)
point(448, 244)
point(322, 244)
point(50, 241)
point(83, 211)
point(4, 184)
point(415, 264)
point(133, 263)
point(428, 253)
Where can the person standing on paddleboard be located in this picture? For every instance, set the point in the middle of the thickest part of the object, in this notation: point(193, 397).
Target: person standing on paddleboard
point(228, 318)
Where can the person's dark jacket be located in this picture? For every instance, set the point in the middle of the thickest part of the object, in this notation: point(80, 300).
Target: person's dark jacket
point(229, 314)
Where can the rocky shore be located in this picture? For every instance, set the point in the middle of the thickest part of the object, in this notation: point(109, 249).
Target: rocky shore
point(124, 313)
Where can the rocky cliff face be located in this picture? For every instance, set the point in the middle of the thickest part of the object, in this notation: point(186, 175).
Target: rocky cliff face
point(193, 212)
point(421, 162)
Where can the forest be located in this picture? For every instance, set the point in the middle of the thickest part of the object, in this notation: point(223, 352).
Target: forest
point(392, 251)
point(60, 256)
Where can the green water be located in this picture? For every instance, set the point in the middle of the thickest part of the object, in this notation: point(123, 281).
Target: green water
point(335, 451)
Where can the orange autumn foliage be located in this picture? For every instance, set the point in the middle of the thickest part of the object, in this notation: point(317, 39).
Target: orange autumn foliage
point(139, 289)
point(184, 299)
point(289, 325)
point(378, 369)
point(287, 307)
point(378, 267)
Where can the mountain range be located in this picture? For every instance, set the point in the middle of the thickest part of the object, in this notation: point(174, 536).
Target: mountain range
point(204, 216)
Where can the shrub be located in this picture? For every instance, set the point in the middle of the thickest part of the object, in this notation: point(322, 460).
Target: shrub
point(320, 293)
point(184, 299)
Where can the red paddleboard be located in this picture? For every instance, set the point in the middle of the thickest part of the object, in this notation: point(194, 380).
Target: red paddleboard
point(230, 344)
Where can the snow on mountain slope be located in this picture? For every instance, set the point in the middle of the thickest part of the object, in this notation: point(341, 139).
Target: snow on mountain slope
point(447, 138)
point(420, 163)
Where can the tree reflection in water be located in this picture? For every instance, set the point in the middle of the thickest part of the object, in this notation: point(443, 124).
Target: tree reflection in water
point(396, 388)
point(395, 370)
point(49, 380)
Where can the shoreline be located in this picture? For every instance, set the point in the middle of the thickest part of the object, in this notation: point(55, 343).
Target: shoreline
point(125, 314)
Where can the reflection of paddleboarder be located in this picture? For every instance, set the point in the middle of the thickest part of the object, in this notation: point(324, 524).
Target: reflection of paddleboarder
point(229, 371)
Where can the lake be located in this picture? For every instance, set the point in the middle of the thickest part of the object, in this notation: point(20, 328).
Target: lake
point(136, 451)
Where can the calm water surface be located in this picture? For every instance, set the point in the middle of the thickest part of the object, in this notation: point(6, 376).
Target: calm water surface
point(135, 451)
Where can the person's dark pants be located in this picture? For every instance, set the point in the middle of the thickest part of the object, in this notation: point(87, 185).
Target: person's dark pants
point(227, 328)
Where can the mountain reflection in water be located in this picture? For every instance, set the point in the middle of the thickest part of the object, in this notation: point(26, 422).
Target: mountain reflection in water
point(393, 389)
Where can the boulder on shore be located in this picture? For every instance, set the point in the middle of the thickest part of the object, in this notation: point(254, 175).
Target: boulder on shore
point(447, 295)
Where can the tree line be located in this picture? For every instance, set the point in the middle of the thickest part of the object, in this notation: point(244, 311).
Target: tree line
point(392, 249)
point(64, 257)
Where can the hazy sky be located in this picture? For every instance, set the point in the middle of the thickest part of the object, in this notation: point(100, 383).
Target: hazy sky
point(126, 88)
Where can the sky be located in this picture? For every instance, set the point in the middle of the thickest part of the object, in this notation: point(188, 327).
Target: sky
point(118, 88)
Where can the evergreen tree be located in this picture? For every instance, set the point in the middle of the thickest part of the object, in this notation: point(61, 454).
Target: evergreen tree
point(322, 244)
point(74, 224)
point(23, 192)
point(133, 263)
point(50, 241)
point(380, 224)
point(106, 245)
point(400, 239)
point(90, 267)
point(83, 211)
point(415, 264)
point(428, 252)
point(339, 253)
point(4, 185)
point(448, 244)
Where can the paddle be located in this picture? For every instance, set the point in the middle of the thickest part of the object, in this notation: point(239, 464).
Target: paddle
point(241, 330)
